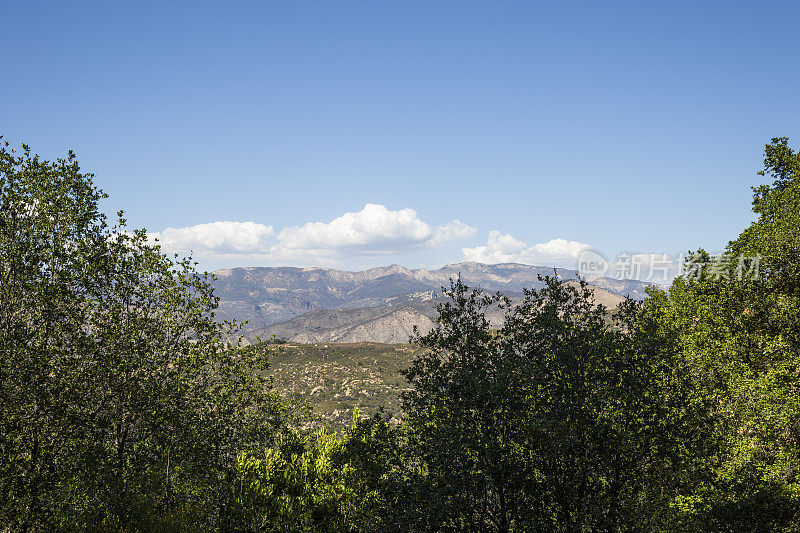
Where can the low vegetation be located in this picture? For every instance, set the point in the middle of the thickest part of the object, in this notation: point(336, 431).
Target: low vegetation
point(125, 407)
point(338, 379)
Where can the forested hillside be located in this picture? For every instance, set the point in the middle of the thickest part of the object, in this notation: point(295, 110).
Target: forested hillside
point(124, 406)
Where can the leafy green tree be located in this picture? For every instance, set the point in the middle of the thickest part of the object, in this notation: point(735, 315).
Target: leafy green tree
point(735, 321)
point(328, 482)
point(122, 403)
point(552, 422)
point(45, 232)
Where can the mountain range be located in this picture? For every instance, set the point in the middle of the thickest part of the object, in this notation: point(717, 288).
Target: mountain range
point(376, 305)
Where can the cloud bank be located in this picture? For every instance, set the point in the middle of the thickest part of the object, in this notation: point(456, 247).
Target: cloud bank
point(503, 248)
point(217, 237)
point(373, 231)
point(376, 231)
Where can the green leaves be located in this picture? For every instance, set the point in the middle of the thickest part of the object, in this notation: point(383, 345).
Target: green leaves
point(323, 481)
point(48, 225)
point(737, 337)
point(546, 423)
point(123, 403)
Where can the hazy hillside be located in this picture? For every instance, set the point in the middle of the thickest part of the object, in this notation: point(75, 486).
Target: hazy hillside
point(265, 296)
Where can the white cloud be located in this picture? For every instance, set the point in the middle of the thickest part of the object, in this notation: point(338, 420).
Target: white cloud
point(452, 231)
point(375, 230)
point(503, 248)
point(218, 237)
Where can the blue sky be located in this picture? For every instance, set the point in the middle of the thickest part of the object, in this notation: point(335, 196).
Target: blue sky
point(447, 130)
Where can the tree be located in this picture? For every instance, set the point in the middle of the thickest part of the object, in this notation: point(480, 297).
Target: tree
point(553, 422)
point(736, 324)
point(122, 403)
point(45, 230)
point(328, 482)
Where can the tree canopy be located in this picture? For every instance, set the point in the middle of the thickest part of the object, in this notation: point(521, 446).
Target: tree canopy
point(123, 404)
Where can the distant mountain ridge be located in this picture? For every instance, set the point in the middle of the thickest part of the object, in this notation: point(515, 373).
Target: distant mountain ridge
point(269, 296)
point(393, 322)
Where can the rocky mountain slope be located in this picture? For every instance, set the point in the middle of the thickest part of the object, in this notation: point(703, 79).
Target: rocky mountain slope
point(366, 302)
point(390, 323)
